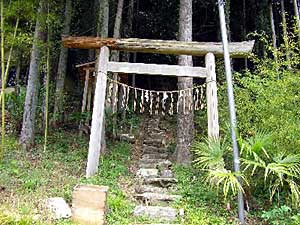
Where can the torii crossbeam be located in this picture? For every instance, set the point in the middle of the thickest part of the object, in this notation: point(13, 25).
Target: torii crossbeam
point(170, 47)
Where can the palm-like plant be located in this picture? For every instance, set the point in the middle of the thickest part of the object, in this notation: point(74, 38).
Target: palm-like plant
point(279, 171)
point(209, 154)
point(210, 158)
point(227, 180)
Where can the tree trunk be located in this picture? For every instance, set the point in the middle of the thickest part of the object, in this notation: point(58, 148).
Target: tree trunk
point(115, 56)
point(244, 28)
point(94, 12)
point(285, 35)
point(128, 31)
point(31, 100)
point(227, 13)
point(18, 74)
point(103, 21)
point(274, 38)
point(185, 123)
point(62, 67)
point(296, 9)
point(102, 31)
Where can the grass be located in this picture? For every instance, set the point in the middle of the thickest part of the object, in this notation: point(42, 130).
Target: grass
point(28, 177)
point(201, 204)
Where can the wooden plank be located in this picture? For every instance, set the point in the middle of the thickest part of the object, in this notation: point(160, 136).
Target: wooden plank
point(155, 69)
point(98, 114)
point(211, 96)
point(169, 47)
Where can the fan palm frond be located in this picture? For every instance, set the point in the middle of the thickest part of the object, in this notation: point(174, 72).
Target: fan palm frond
point(227, 180)
point(209, 154)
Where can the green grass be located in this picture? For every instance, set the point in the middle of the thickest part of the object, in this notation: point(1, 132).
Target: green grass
point(27, 177)
point(201, 204)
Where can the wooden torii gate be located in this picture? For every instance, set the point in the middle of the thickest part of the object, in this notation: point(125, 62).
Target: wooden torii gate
point(209, 50)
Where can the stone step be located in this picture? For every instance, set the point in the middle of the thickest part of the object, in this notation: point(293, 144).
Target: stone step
point(163, 182)
point(155, 156)
point(166, 173)
point(151, 198)
point(144, 173)
point(156, 212)
point(157, 136)
point(155, 142)
point(155, 164)
point(152, 149)
point(150, 188)
point(156, 161)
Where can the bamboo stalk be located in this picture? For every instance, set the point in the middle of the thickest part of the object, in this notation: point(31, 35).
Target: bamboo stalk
point(47, 86)
point(9, 59)
point(3, 84)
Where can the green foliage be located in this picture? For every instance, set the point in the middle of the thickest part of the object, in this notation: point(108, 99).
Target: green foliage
point(280, 172)
point(15, 104)
point(276, 173)
point(11, 220)
point(278, 216)
point(127, 121)
point(197, 198)
point(210, 158)
point(269, 121)
point(209, 154)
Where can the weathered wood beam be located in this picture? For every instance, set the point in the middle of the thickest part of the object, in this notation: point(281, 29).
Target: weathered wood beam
point(212, 97)
point(237, 49)
point(155, 69)
point(98, 114)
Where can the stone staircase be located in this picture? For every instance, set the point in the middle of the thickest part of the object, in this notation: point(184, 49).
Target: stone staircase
point(155, 182)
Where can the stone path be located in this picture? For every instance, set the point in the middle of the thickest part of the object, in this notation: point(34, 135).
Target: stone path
point(155, 186)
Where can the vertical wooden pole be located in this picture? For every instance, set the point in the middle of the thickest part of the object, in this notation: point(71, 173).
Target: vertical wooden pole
point(211, 95)
point(89, 102)
point(98, 114)
point(84, 97)
point(85, 91)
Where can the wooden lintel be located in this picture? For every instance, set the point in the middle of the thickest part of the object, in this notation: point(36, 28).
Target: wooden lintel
point(237, 49)
point(155, 69)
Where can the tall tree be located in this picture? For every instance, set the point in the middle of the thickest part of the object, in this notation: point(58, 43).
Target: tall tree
point(62, 66)
point(33, 84)
point(115, 56)
point(296, 9)
point(274, 37)
point(102, 31)
point(2, 82)
point(285, 34)
point(185, 123)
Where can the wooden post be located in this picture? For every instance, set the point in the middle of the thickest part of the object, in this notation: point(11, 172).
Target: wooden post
point(84, 97)
point(89, 102)
point(211, 95)
point(85, 91)
point(98, 114)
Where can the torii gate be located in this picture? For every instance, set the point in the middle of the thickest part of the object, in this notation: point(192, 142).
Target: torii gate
point(207, 49)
